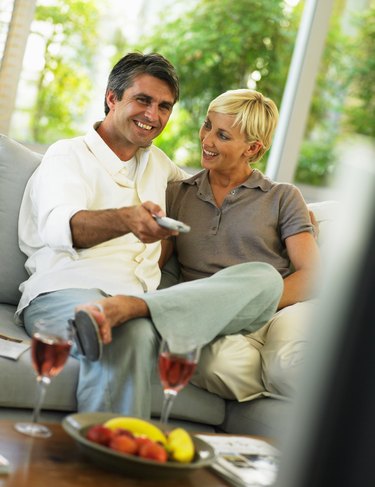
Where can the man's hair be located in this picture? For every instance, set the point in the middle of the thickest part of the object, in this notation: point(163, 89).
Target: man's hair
point(132, 65)
point(256, 115)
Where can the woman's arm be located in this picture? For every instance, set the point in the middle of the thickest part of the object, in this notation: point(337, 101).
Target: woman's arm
point(304, 255)
point(166, 252)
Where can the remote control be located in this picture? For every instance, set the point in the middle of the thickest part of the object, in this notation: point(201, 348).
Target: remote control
point(172, 224)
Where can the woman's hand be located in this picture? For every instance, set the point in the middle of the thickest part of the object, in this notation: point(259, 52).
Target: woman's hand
point(315, 225)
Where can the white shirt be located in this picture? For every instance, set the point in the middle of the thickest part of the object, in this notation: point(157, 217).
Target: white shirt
point(84, 174)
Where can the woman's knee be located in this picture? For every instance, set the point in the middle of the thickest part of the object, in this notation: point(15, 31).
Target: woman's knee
point(210, 363)
point(280, 370)
point(139, 334)
point(271, 282)
point(231, 368)
point(268, 280)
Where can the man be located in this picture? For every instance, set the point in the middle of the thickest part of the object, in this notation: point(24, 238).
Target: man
point(87, 228)
point(86, 219)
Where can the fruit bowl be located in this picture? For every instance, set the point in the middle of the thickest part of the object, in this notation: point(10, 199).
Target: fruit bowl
point(76, 425)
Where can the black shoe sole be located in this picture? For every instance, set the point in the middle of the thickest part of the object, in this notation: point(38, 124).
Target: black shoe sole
point(87, 335)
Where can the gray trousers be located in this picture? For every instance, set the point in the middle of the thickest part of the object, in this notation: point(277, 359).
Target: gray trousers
point(238, 299)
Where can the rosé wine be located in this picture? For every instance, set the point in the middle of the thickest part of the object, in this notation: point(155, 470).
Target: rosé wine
point(49, 354)
point(175, 371)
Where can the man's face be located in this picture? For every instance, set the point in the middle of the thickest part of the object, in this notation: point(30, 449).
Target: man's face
point(143, 112)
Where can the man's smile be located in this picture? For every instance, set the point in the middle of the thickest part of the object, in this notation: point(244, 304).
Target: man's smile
point(143, 125)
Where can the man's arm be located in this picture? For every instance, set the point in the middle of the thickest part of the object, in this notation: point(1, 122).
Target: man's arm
point(91, 228)
point(304, 255)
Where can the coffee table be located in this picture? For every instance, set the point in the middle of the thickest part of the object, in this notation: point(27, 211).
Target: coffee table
point(58, 462)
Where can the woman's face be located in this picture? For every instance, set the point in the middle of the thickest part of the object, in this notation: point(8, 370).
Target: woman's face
point(224, 148)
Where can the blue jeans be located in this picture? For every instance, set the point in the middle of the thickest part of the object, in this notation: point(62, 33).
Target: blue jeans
point(238, 299)
point(121, 380)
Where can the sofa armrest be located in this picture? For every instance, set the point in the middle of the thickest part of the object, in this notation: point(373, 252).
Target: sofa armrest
point(326, 212)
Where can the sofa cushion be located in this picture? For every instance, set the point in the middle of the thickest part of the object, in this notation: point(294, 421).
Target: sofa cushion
point(18, 385)
point(17, 163)
point(18, 379)
point(192, 404)
point(265, 416)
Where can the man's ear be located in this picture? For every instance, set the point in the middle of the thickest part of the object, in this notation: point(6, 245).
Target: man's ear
point(111, 98)
point(254, 148)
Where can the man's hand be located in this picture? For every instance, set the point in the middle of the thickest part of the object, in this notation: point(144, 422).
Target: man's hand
point(143, 225)
point(91, 228)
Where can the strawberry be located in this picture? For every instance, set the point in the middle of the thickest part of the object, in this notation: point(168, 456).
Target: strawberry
point(153, 451)
point(141, 440)
point(122, 431)
point(99, 434)
point(124, 444)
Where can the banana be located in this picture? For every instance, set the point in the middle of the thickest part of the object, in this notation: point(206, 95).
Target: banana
point(180, 446)
point(138, 427)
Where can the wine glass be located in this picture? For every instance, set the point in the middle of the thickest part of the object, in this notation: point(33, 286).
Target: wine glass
point(177, 363)
point(50, 349)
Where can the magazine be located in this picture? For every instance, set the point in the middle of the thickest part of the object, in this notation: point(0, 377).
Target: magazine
point(4, 465)
point(243, 461)
point(11, 347)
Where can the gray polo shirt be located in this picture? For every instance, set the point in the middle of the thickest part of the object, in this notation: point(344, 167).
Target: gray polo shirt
point(251, 226)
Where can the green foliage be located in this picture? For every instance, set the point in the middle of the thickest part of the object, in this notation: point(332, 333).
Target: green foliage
point(176, 138)
point(69, 32)
point(120, 46)
point(344, 99)
point(360, 110)
point(316, 163)
point(331, 85)
point(216, 46)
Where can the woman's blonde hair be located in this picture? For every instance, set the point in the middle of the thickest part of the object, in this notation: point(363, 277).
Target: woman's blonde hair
point(256, 115)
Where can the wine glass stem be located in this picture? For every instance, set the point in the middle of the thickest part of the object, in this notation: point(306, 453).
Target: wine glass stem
point(43, 382)
point(169, 397)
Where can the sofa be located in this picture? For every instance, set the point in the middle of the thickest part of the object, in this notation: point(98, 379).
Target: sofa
point(194, 408)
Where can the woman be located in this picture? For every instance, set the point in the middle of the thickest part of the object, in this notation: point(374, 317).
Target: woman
point(237, 215)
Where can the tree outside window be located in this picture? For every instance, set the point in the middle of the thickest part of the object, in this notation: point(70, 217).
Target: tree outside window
point(215, 45)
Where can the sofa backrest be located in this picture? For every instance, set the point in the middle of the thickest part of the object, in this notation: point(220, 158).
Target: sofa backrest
point(326, 213)
point(17, 163)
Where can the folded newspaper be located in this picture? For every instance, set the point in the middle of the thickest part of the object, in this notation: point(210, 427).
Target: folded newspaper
point(11, 347)
point(243, 461)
